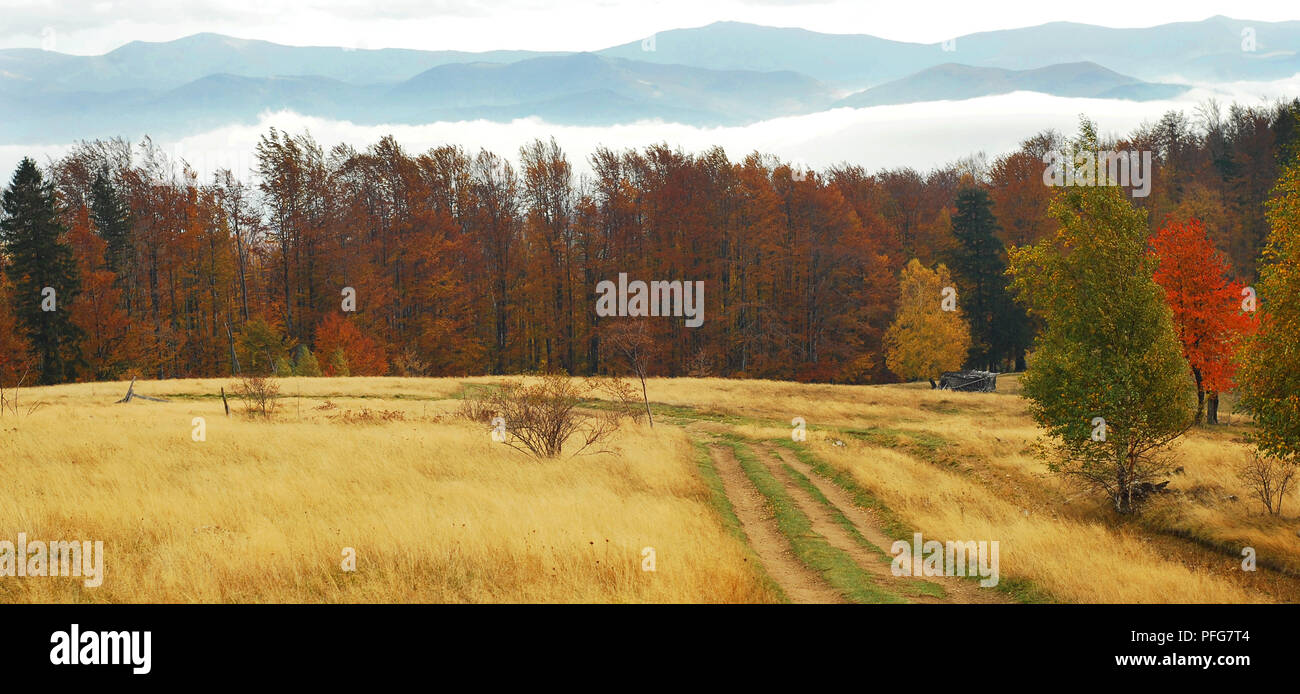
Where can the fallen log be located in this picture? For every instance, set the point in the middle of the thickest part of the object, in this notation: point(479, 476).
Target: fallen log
point(131, 395)
point(980, 381)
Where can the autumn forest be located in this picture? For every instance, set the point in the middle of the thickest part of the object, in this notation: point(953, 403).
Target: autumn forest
point(473, 262)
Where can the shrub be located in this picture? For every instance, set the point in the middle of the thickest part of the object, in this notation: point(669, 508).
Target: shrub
point(541, 417)
point(338, 365)
point(409, 364)
point(306, 364)
point(478, 406)
point(1269, 478)
point(622, 394)
point(367, 416)
point(283, 367)
point(259, 394)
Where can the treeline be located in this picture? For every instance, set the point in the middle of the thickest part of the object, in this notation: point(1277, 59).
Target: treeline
point(465, 262)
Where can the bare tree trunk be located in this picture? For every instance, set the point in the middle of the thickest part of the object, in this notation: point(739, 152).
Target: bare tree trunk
point(1200, 395)
point(234, 358)
point(646, 397)
point(1123, 490)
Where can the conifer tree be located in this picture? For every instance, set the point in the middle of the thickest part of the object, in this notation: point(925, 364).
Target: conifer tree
point(110, 215)
point(42, 272)
point(999, 327)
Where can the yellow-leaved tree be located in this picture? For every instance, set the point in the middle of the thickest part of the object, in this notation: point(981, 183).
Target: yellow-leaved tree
point(929, 335)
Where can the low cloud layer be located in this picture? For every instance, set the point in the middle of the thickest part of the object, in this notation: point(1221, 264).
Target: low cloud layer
point(922, 135)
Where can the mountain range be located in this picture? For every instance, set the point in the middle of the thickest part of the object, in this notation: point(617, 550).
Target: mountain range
point(952, 81)
point(725, 73)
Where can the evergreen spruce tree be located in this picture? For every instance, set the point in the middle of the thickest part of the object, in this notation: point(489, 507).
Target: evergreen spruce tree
point(42, 271)
point(111, 217)
point(999, 327)
point(339, 364)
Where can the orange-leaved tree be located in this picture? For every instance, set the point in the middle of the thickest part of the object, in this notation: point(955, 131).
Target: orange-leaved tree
point(346, 351)
point(1207, 308)
point(16, 361)
point(110, 336)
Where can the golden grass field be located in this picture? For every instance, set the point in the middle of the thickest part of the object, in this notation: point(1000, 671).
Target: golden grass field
point(437, 512)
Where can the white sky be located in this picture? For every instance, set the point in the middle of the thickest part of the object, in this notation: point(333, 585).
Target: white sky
point(88, 27)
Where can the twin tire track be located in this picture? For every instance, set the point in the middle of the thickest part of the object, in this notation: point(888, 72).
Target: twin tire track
point(799, 583)
point(827, 517)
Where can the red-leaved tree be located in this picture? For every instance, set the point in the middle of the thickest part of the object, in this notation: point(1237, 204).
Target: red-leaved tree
point(1207, 308)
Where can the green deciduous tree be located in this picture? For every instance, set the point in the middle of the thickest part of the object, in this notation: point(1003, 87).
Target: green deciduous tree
point(1108, 348)
point(262, 349)
point(305, 363)
point(1269, 379)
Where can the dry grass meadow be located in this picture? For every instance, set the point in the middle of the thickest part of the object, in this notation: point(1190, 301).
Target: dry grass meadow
point(261, 511)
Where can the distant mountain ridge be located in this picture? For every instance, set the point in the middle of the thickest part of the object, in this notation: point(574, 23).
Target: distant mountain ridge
point(170, 64)
point(726, 73)
point(954, 82)
point(581, 88)
point(1213, 49)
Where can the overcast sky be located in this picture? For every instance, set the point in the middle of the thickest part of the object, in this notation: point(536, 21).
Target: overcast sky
point(88, 27)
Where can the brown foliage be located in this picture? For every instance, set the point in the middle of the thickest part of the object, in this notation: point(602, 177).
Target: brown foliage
point(473, 263)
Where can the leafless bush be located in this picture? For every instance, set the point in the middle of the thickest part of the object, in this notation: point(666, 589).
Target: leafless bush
point(543, 415)
point(259, 393)
point(9, 399)
point(632, 342)
point(700, 364)
point(622, 395)
point(478, 405)
point(1269, 479)
point(409, 364)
